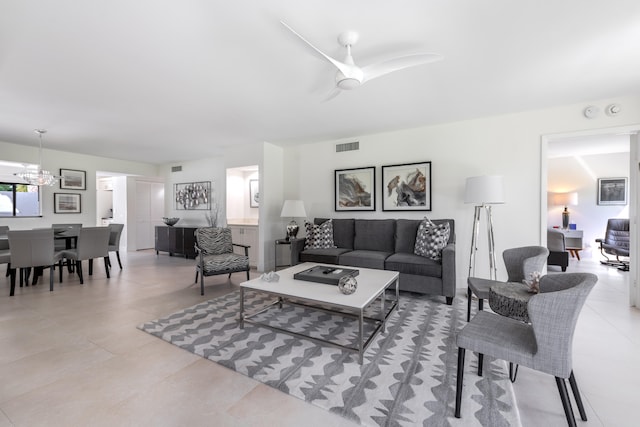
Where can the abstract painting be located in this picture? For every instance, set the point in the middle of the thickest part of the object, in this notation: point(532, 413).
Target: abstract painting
point(355, 189)
point(406, 187)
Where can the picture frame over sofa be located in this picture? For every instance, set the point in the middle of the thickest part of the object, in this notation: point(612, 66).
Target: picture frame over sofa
point(406, 187)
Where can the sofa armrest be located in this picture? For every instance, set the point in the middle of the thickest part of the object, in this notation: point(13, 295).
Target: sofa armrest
point(449, 270)
point(297, 246)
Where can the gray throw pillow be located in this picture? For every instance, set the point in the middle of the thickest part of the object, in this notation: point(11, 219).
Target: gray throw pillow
point(431, 239)
point(319, 236)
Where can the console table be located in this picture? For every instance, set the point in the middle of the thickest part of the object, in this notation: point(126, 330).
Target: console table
point(573, 241)
point(176, 240)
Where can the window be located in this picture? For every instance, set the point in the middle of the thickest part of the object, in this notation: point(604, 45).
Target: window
point(19, 200)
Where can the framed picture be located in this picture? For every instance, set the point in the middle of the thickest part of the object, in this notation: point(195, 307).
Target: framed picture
point(192, 195)
point(612, 191)
point(66, 203)
point(355, 189)
point(406, 187)
point(73, 179)
point(254, 193)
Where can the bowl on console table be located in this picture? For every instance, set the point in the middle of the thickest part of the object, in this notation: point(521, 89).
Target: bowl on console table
point(170, 221)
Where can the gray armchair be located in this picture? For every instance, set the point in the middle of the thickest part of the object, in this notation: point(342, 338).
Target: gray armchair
point(216, 256)
point(544, 345)
point(93, 242)
point(520, 263)
point(32, 248)
point(558, 254)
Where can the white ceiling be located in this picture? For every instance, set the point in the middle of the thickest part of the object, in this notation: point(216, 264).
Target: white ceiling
point(164, 80)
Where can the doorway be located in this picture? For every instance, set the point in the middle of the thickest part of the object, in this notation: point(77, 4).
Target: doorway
point(573, 163)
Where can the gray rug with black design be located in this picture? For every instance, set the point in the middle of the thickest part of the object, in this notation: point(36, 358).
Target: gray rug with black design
point(407, 378)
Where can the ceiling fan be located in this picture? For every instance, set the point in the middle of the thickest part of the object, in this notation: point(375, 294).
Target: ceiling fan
point(350, 76)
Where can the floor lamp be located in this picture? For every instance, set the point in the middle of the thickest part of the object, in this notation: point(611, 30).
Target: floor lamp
point(483, 191)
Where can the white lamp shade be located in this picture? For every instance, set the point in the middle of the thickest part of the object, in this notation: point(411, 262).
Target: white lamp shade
point(487, 189)
point(293, 209)
point(564, 199)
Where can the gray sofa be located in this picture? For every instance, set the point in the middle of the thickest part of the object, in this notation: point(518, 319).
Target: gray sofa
point(386, 244)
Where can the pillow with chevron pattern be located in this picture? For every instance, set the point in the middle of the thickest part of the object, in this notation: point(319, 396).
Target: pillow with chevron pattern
point(431, 239)
point(319, 236)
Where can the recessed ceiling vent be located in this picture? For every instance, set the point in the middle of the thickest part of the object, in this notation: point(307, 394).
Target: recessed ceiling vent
point(176, 168)
point(348, 146)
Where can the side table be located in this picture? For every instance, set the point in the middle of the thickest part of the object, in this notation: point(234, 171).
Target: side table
point(510, 299)
point(278, 243)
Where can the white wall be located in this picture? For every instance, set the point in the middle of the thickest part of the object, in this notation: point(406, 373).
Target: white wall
point(209, 169)
point(508, 145)
point(579, 174)
point(53, 160)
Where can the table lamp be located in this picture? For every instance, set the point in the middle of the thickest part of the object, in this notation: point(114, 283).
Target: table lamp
point(565, 199)
point(292, 209)
point(483, 191)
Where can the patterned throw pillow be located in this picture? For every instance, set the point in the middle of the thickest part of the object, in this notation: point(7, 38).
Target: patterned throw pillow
point(431, 239)
point(319, 236)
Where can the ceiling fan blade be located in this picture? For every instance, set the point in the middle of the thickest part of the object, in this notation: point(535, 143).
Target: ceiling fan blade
point(346, 69)
point(385, 67)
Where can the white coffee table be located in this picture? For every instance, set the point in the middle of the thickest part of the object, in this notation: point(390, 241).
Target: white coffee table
point(372, 285)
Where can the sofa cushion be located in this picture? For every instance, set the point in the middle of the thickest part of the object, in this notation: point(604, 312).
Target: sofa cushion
point(319, 236)
point(375, 235)
point(431, 239)
point(365, 259)
point(323, 256)
point(343, 231)
point(406, 230)
point(413, 264)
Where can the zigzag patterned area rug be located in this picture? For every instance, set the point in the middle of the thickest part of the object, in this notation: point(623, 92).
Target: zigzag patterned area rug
point(408, 377)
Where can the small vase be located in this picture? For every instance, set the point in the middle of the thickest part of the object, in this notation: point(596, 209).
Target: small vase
point(347, 285)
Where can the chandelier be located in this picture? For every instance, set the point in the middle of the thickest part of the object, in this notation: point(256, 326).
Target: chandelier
point(38, 176)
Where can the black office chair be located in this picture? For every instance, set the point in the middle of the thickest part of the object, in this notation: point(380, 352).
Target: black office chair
point(616, 242)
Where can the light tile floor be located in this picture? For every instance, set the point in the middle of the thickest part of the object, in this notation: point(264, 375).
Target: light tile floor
point(74, 357)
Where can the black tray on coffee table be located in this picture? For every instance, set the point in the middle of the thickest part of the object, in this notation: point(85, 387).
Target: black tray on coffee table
point(325, 274)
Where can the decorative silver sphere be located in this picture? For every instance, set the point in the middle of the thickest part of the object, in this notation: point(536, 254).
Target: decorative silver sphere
point(347, 285)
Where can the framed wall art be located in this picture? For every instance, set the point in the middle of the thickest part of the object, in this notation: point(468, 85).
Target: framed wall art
point(406, 187)
point(64, 203)
point(73, 179)
point(254, 193)
point(612, 191)
point(192, 195)
point(355, 189)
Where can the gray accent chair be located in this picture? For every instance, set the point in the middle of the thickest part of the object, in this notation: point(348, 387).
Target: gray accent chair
point(93, 242)
point(520, 263)
point(114, 241)
point(32, 248)
point(558, 254)
point(215, 254)
point(616, 243)
point(544, 345)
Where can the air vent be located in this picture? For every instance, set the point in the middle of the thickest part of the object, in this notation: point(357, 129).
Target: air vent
point(176, 168)
point(348, 146)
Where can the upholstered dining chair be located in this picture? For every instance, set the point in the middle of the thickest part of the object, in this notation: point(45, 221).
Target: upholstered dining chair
point(62, 244)
point(216, 256)
point(520, 263)
point(32, 248)
point(114, 241)
point(4, 248)
point(5, 254)
point(544, 345)
point(93, 242)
